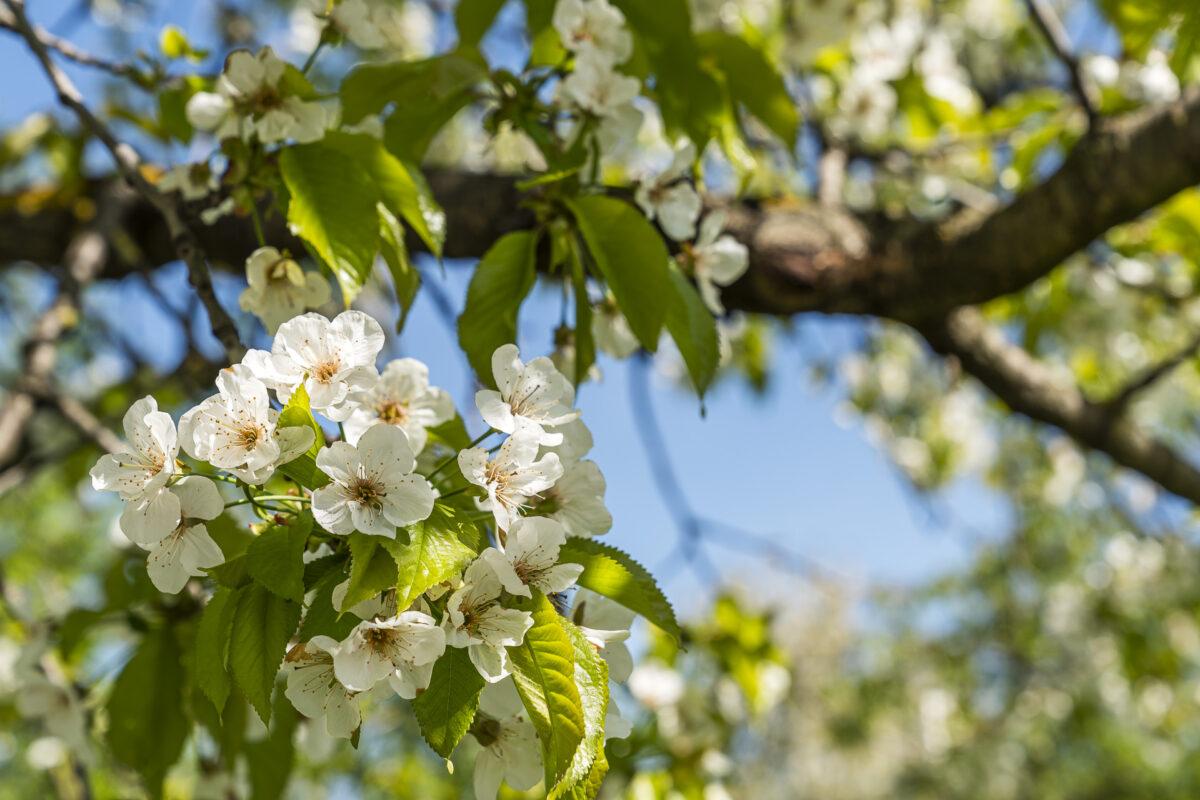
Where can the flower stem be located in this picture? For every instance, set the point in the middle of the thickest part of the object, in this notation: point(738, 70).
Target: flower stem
point(312, 58)
point(454, 457)
point(258, 228)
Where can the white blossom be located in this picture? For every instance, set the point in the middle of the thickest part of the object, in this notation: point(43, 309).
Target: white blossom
point(192, 181)
point(656, 685)
point(372, 488)
point(670, 198)
point(512, 476)
point(576, 500)
point(278, 289)
point(510, 751)
point(377, 648)
point(402, 398)
point(611, 331)
point(535, 392)
point(331, 359)
point(530, 558)
point(187, 550)
point(593, 27)
point(717, 260)
point(476, 620)
point(354, 19)
point(606, 625)
point(235, 430)
point(315, 691)
point(140, 472)
point(597, 88)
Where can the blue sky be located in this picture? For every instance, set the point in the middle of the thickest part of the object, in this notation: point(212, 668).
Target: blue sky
point(777, 465)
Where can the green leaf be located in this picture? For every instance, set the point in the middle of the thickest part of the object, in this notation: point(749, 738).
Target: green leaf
point(473, 18)
point(262, 625)
point(406, 279)
point(612, 573)
point(694, 330)
point(372, 570)
point(689, 97)
point(303, 469)
point(276, 558)
point(543, 667)
point(591, 676)
point(401, 187)
point(232, 574)
point(332, 208)
point(589, 787)
point(434, 553)
point(146, 724)
point(426, 95)
point(321, 618)
point(753, 82)
point(212, 647)
point(501, 281)
point(270, 760)
point(632, 259)
point(446, 708)
point(585, 340)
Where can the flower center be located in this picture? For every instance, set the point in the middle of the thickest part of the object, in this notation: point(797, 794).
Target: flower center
point(249, 436)
point(326, 370)
point(377, 639)
point(392, 412)
point(367, 490)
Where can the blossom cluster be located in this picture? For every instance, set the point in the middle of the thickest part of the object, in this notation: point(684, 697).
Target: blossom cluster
point(535, 487)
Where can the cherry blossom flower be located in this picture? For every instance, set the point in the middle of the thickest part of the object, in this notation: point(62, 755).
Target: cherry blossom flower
point(597, 88)
point(377, 648)
point(594, 27)
point(510, 751)
point(331, 359)
point(188, 550)
point(279, 289)
point(530, 558)
point(373, 489)
point(606, 625)
point(717, 260)
point(235, 430)
point(402, 398)
point(576, 500)
point(355, 20)
point(536, 392)
point(656, 685)
point(192, 181)
point(476, 620)
point(670, 198)
point(611, 330)
point(140, 472)
point(512, 476)
point(315, 691)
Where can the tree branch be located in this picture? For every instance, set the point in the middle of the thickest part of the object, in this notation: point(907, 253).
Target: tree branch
point(1030, 388)
point(1152, 375)
point(1056, 36)
point(183, 239)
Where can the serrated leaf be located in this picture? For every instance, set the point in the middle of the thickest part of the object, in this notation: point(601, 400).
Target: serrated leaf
point(303, 469)
point(372, 569)
point(232, 573)
point(585, 341)
point(473, 18)
point(501, 281)
point(276, 558)
point(433, 553)
point(753, 82)
point(262, 625)
point(692, 326)
point(446, 708)
point(270, 759)
point(543, 667)
point(146, 725)
point(320, 617)
point(632, 259)
point(591, 677)
point(212, 647)
point(612, 573)
point(332, 207)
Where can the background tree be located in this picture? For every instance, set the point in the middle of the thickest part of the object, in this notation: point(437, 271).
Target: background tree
point(999, 194)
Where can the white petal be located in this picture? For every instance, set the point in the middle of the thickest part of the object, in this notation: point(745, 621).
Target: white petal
point(199, 497)
point(148, 520)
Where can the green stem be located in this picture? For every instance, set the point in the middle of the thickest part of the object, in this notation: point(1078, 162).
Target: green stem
point(454, 457)
point(258, 228)
point(456, 491)
point(312, 58)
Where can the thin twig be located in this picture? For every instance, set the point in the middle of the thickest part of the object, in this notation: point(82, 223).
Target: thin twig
point(1153, 374)
point(128, 163)
point(1056, 35)
point(69, 50)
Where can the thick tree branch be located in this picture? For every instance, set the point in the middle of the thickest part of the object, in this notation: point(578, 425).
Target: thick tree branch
point(1032, 389)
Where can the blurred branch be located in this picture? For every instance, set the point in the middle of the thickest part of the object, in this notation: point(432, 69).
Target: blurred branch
point(1056, 36)
point(68, 50)
point(184, 241)
point(1031, 388)
point(1153, 374)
